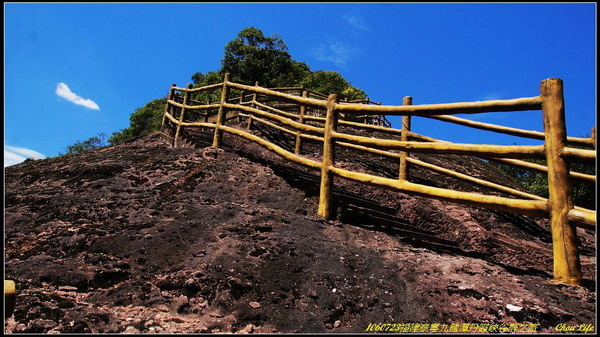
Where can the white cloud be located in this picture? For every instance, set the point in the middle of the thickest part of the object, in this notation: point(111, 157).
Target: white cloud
point(337, 53)
point(11, 158)
point(356, 22)
point(14, 155)
point(62, 90)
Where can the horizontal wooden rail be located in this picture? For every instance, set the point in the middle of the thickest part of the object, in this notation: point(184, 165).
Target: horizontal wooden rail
point(578, 154)
point(369, 150)
point(293, 98)
point(514, 162)
point(203, 124)
point(493, 185)
point(269, 124)
point(206, 87)
point(425, 138)
point(542, 168)
point(478, 181)
point(316, 93)
point(518, 104)
point(539, 207)
point(363, 101)
point(277, 149)
point(286, 105)
point(285, 88)
point(455, 174)
point(507, 130)
point(277, 111)
point(446, 171)
point(315, 118)
point(282, 120)
point(371, 127)
point(194, 107)
point(448, 148)
point(528, 207)
point(322, 120)
point(422, 164)
point(281, 128)
point(583, 217)
point(372, 116)
point(172, 119)
point(237, 99)
point(196, 102)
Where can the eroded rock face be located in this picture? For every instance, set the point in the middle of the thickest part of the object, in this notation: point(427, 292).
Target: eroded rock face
point(144, 238)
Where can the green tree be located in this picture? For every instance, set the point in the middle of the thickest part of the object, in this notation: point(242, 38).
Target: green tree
point(252, 57)
point(537, 183)
point(200, 80)
point(143, 121)
point(212, 77)
point(332, 82)
point(88, 144)
point(584, 193)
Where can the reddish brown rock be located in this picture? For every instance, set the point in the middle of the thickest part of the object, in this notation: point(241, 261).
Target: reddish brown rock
point(135, 227)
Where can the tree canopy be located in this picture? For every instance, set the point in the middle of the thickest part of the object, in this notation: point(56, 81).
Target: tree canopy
point(88, 144)
point(252, 57)
point(143, 121)
point(537, 182)
point(331, 82)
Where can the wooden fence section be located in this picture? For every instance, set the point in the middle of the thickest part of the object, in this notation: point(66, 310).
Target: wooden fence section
point(304, 114)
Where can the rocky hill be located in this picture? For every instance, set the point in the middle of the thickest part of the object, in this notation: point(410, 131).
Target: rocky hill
point(142, 237)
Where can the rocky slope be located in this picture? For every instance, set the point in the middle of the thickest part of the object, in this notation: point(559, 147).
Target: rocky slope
point(141, 237)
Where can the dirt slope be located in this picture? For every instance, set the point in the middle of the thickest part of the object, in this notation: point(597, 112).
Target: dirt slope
point(141, 237)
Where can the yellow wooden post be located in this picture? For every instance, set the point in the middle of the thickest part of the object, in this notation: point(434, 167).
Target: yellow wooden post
point(221, 113)
point(207, 113)
point(328, 158)
point(567, 267)
point(186, 101)
point(407, 100)
point(9, 297)
point(169, 97)
point(302, 112)
point(240, 103)
point(249, 127)
point(594, 137)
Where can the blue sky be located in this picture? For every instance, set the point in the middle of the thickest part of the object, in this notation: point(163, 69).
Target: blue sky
point(75, 70)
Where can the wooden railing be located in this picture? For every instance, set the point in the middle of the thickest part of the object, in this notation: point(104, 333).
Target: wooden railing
point(298, 122)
